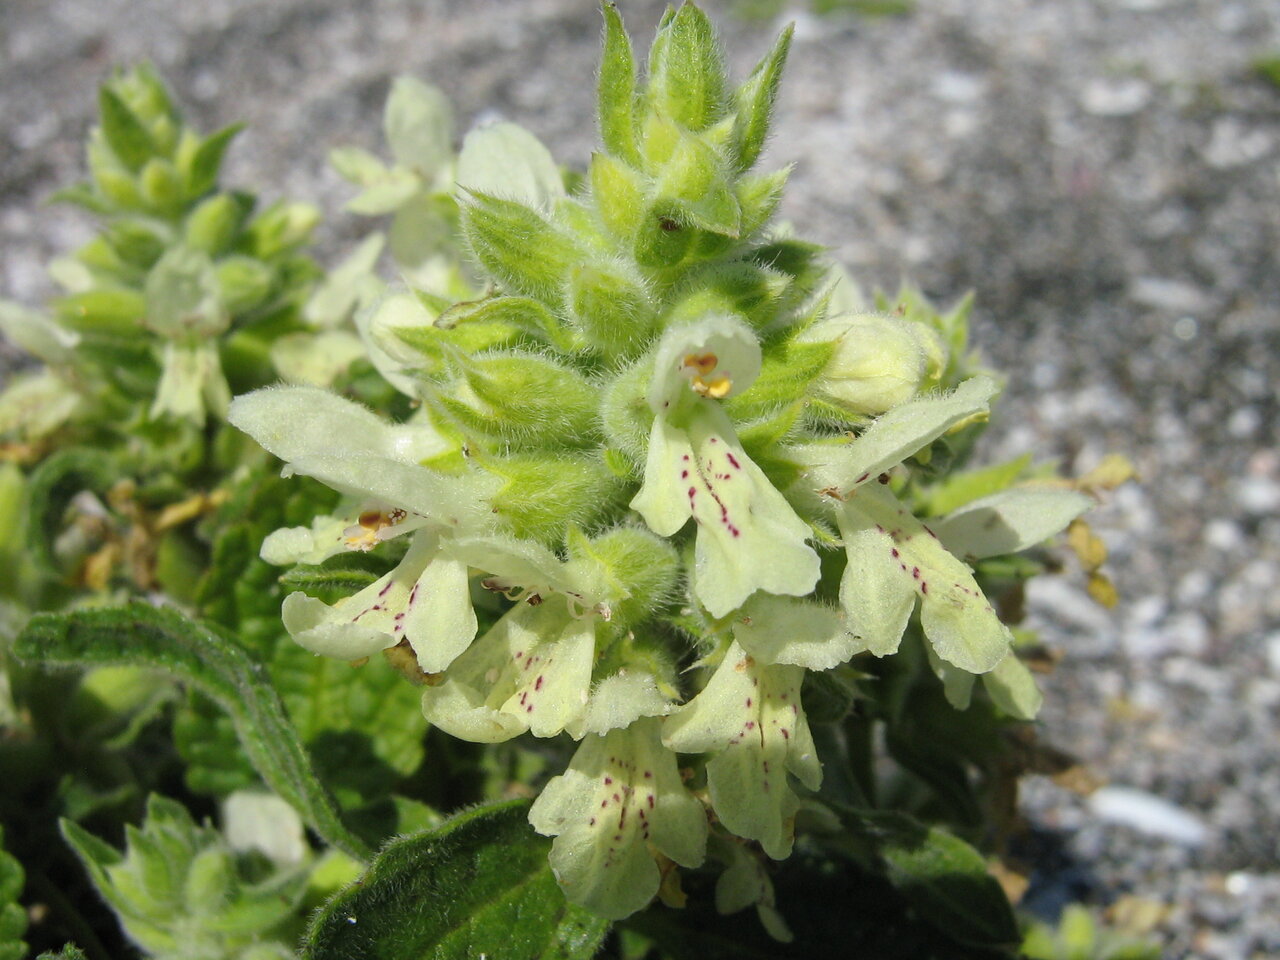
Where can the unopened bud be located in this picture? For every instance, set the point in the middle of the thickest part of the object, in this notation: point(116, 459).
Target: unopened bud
point(879, 362)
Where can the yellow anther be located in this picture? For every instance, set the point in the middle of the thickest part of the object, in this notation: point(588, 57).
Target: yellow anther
point(363, 534)
point(716, 387)
point(701, 363)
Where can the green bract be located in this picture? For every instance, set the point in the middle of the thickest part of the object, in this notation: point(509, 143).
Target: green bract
point(645, 353)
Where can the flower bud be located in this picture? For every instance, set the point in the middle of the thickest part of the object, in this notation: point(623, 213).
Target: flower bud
point(879, 362)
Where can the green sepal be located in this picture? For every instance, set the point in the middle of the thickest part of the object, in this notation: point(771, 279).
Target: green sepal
point(201, 172)
point(754, 102)
point(212, 226)
point(526, 398)
point(686, 70)
point(619, 193)
point(161, 189)
point(518, 247)
point(662, 239)
point(136, 242)
point(127, 135)
point(616, 90)
point(758, 197)
point(545, 494)
point(693, 179)
point(111, 311)
point(245, 283)
point(280, 228)
point(69, 951)
point(495, 322)
point(612, 309)
point(639, 567)
point(788, 369)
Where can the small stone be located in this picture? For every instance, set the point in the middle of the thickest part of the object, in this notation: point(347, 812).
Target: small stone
point(1170, 296)
point(1244, 422)
point(1257, 495)
point(952, 86)
point(1272, 647)
point(1115, 97)
point(1149, 814)
point(1222, 534)
point(1232, 144)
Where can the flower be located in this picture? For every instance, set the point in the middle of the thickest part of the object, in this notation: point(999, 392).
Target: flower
point(531, 671)
point(620, 801)
point(749, 537)
point(426, 599)
point(749, 714)
point(893, 558)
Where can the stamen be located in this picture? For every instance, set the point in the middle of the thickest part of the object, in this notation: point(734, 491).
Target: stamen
point(363, 535)
point(716, 387)
point(702, 363)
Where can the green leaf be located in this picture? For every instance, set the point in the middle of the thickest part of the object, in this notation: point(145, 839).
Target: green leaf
point(159, 637)
point(202, 174)
point(478, 886)
point(50, 489)
point(13, 918)
point(959, 489)
point(616, 91)
point(946, 880)
point(69, 952)
point(125, 133)
point(754, 101)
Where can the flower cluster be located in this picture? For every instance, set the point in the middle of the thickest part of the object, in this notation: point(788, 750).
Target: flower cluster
point(667, 440)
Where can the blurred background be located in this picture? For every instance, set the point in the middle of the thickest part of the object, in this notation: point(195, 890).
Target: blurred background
point(1104, 174)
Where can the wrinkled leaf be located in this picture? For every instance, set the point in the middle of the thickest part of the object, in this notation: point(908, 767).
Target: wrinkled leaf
point(158, 637)
point(478, 886)
point(946, 880)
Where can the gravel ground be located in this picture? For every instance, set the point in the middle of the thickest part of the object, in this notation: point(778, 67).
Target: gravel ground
point(1105, 174)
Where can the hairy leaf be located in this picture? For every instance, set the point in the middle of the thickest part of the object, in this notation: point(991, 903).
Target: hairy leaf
point(477, 886)
point(151, 636)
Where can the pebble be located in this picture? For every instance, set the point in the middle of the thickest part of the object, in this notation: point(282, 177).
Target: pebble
point(1149, 814)
point(1272, 647)
point(1170, 296)
point(1232, 144)
point(1257, 495)
point(1115, 98)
